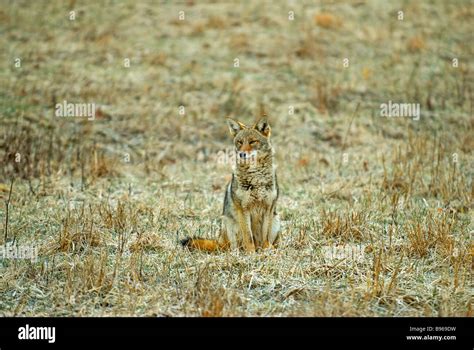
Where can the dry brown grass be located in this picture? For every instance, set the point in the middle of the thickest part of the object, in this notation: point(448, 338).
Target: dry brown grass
point(327, 20)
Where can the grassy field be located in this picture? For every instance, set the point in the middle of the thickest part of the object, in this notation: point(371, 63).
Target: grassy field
point(377, 211)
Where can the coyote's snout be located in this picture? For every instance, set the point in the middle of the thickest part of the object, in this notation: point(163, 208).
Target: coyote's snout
point(249, 217)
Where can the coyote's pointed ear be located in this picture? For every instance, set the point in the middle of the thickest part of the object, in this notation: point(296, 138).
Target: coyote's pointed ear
point(263, 127)
point(234, 126)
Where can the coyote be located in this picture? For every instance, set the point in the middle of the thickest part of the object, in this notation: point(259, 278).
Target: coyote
point(249, 218)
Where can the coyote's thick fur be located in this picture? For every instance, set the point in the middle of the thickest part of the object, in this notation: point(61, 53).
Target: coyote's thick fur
point(249, 217)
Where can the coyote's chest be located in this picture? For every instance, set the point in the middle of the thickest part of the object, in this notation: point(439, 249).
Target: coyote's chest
point(256, 197)
point(256, 190)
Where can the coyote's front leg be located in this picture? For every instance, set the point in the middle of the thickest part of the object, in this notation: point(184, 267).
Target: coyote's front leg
point(243, 218)
point(267, 227)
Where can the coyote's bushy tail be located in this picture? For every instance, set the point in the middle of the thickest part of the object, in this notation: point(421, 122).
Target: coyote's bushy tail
point(208, 245)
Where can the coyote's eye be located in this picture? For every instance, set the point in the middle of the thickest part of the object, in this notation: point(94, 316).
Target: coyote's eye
point(238, 143)
point(254, 142)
